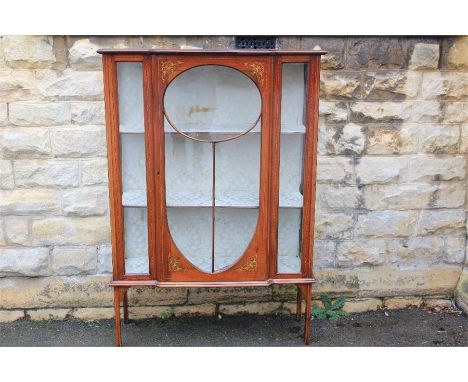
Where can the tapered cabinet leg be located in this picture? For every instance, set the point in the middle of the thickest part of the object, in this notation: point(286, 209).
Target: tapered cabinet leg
point(118, 334)
point(299, 303)
point(125, 306)
point(308, 299)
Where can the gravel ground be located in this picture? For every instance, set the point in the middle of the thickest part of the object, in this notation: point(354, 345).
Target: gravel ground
point(400, 328)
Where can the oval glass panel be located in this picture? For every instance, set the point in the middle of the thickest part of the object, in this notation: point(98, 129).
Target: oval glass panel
point(212, 158)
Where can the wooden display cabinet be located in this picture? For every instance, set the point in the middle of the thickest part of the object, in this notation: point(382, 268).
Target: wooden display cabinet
point(212, 169)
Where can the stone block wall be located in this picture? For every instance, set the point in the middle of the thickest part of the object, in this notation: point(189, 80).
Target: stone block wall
point(391, 204)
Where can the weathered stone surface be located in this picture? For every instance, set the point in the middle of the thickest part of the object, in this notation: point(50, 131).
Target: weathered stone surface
point(333, 111)
point(454, 249)
point(324, 254)
point(79, 142)
point(461, 291)
point(333, 225)
point(362, 305)
point(456, 112)
point(145, 312)
point(2, 234)
point(29, 202)
point(28, 51)
point(85, 201)
point(16, 143)
point(439, 139)
point(458, 54)
point(391, 85)
point(257, 308)
point(202, 310)
point(426, 111)
point(335, 47)
point(386, 223)
point(11, 315)
point(17, 230)
point(70, 85)
point(348, 139)
point(402, 302)
point(24, 261)
point(71, 231)
point(156, 296)
point(428, 167)
point(93, 171)
point(48, 314)
point(6, 175)
point(58, 173)
point(73, 261)
point(412, 196)
point(16, 85)
point(380, 169)
point(3, 114)
point(416, 251)
point(441, 222)
point(425, 56)
point(88, 314)
point(360, 252)
point(376, 53)
point(87, 113)
point(380, 111)
point(445, 85)
point(340, 85)
point(384, 141)
point(222, 295)
point(39, 114)
point(83, 55)
point(104, 261)
point(464, 139)
point(337, 197)
point(335, 170)
point(438, 303)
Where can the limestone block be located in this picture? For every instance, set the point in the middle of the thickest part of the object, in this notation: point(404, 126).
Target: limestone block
point(425, 56)
point(362, 305)
point(439, 139)
point(17, 230)
point(104, 261)
point(386, 223)
point(438, 302)
point(380, 169)
point(88, 314)
point(384, 141)
point(418, 251)
point(28, 51)
point(454, 249)
point(11, 315)
point(48, 314)
point(39, 114)
point(85, 201)
point(6, 175)
point(335, 170)
point(348, 139)
point(223, 295)
point(16, 85)
point(391, 85)
point(68, 261)
point(333, 225)
point(93, 171)
point(445, 85)
point(71, 231)
point(202, 310)
point(413, 196)
point(83, 55)
point(464, 139)
point(333, 111)
point(17, 143)
point(29, 202)
point(145, 312)
point(458, 54)
point(376, 53)
point(79, 142)
point(3, 114)
point(156, 296)
point(381, 111)
point(58, 173)
point(403, 302)
point(337, 197)
point(428, 168)
point(426, 111)
point(335, 47)
point(250, 308)
point(441, 222)
point(2, 234)
point(87, 113)
point(70, 85)
point(340, 85)
point(360, 252)
point(24, 261)
point(324, 253)
point(456, 112)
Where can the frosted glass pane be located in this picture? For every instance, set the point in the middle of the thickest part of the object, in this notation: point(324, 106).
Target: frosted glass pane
point(293, 97)
point(291, 170)
point(130, 94)
point(234, 229)
point(191, 230)
point(289, 240)
point(238, 171)
point(136, 241)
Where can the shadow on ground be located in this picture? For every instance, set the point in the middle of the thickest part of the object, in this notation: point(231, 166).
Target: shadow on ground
point(399, 328)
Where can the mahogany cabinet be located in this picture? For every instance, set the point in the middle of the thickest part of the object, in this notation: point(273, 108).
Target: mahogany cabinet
point(212, 169)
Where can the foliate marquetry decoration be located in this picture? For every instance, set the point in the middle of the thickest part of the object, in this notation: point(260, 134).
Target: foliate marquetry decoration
point(167, 68)
point(250, 265)
point(174, 264)
point(256, 70)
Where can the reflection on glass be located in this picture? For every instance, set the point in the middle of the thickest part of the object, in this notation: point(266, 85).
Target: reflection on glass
point(130, 88)
point(136, 241)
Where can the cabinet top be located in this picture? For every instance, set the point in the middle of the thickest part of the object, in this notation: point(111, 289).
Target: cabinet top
point(250, 52)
